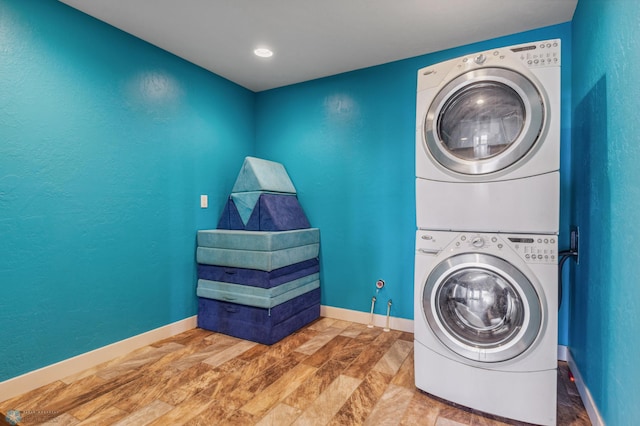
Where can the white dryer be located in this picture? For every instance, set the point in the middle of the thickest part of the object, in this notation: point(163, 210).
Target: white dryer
point(486, 322)
point(488, 141)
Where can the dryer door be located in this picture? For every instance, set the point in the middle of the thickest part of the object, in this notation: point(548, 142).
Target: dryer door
point(483, 121)
point(482, 307)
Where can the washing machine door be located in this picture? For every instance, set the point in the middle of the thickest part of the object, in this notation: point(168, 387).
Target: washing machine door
point(482, 307)
point(484, 121)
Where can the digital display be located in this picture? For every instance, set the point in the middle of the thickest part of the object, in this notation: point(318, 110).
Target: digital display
point(521, 240)
point(522, 49)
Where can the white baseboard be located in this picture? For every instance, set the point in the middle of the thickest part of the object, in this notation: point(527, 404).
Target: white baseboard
point(395, 323)
point(563, 353)
point(34, 379)
point(587, 399)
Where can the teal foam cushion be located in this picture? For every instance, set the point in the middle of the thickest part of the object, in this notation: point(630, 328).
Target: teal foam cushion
point(257, 240)
point(262, 175)
point(256, 296)
point(252, 259)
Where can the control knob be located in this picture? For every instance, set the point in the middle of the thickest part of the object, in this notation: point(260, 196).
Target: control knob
point(480, 59)
point(477, 242)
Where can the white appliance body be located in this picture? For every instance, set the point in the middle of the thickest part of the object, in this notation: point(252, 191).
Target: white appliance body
point(487, 125)
point(486, 321)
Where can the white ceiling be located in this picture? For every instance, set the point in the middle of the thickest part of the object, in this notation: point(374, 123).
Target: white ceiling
point(313, 39)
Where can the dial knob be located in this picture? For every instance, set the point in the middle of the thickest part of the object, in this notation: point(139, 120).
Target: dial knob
point(477, 242)
point(480, 59)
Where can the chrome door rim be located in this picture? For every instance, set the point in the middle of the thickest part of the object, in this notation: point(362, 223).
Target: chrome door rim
point(535, 117)
point(519, 343)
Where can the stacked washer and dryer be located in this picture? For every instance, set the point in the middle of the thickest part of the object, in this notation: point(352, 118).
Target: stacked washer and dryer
point(487, 201)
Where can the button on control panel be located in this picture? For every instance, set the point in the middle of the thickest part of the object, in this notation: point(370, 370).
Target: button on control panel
point(537, 250)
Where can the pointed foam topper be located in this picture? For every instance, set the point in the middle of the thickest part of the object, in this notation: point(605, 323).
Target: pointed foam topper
point(263, 175)
point(245, 203)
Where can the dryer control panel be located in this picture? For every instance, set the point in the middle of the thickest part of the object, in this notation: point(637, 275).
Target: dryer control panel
point(540, 54)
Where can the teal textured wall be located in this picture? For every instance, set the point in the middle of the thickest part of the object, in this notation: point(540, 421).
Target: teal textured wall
point(106, 144)
point(605, 305)
point(348, 143)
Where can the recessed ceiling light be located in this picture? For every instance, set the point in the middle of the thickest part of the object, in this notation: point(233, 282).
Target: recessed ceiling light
point(263, 52)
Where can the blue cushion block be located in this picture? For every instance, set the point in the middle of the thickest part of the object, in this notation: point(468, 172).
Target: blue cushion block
point(257, 278)
point(277, 212)
point(230, 218)
point(272, 212)
point(260, 325)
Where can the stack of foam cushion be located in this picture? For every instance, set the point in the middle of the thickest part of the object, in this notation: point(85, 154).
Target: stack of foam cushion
point(259, 271)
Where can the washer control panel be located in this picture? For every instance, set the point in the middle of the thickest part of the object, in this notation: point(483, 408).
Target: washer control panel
point(536, 249)
point(533, 249)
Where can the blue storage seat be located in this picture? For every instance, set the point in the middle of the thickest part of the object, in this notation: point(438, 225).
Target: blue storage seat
point(260, 325)
point(257, 278)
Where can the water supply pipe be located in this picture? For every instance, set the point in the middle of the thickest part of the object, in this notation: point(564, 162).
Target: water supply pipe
point(373, 304)
point(388, 312)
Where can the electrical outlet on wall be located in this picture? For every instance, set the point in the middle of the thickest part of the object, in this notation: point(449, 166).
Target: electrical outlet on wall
point(204, 201)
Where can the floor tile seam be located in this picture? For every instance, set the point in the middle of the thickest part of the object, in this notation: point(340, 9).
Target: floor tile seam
point(75, 393)
point(365, 392)
point(212, 392)
point(146, 407)
point(229, 353)
point(312, 401)
point(73, 403)
point(382, 402)
point(284, 394)
point(152, 356)
point(209, 350)
point(323, 395)
point(97, 416)
point(329, 356)
point(190, 395)
point(27, 397)
point(193, 334)
point(397, 361)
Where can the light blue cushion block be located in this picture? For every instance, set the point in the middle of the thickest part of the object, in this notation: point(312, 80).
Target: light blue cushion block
point(252, 259)
point(255, 296)
point(263, 175)
point(257, 240)
point(245, 202)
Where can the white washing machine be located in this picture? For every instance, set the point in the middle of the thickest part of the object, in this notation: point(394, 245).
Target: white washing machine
point(486, 322)
point(488, 141)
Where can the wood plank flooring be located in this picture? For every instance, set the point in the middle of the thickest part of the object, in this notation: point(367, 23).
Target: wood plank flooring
point(329, 373)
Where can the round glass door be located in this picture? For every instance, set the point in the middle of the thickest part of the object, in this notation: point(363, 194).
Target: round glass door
point(482, 307)
point(484, 121)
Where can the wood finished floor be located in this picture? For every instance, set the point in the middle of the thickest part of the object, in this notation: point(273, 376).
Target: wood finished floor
point(329, 373)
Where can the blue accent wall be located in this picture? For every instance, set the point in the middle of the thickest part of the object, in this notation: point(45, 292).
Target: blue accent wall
point(348, 142)
point(605, 303)
point(106, 144)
